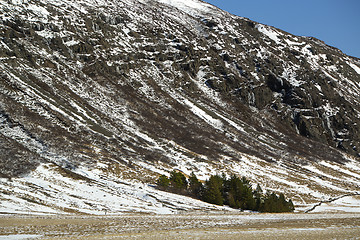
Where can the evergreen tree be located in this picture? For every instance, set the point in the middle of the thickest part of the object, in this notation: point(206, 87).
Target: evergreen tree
point(233, 191)
point(213, 190)
point(273, 203)
point(195, 186)
point(239, 193)
point(249, 201)
point(290, 205)
point(163, 182)
point(283, 204)
point(245, 182)
point(234, 187)
point(258, 197)
point(178, 181)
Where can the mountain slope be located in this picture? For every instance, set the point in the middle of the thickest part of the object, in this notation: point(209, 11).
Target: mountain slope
point(117, 90)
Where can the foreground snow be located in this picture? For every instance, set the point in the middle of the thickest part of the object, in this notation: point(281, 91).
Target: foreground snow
point(345, 204)
point(46, 191)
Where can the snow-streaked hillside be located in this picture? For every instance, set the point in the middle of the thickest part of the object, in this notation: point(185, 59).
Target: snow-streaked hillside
point(52, 190)
point(97, 98)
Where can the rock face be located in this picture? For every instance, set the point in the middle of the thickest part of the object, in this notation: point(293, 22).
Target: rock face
point(155, 85)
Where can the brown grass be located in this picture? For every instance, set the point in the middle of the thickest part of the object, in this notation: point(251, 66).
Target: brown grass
point(186, 226)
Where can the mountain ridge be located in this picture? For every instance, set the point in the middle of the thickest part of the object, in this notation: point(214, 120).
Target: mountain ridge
point(148, 86)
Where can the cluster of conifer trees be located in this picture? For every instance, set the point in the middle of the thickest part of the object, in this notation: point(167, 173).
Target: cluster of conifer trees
point(233, 191)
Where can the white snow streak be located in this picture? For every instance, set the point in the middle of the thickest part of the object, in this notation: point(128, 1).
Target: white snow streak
point(269, 32)
point(355, 67)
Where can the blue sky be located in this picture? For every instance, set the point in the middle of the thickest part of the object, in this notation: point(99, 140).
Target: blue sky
point(336, 22)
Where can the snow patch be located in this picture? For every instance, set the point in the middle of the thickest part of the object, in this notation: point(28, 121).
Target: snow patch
point(203, 115)
point(318, 87)
point(39, 11)
point(20, 236)
point(100, 194)
point(273, 35)
point(289, 74)
point(350, 204)
point(292, 43)
point(330, 111)
point(72, 43)
point(192, 7)
point(19, 2)
point(355, 67)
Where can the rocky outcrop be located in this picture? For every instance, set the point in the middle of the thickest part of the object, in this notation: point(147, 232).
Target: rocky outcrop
point(145, 81)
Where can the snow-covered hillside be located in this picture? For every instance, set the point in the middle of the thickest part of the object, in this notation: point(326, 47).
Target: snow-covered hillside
point(97, 98)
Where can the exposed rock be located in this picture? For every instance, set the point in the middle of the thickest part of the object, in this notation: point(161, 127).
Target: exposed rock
point(128, 77)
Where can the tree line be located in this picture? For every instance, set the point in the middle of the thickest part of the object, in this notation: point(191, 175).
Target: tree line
point(221, 190)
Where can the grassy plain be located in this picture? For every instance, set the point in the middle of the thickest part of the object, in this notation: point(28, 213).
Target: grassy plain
point(183, 226)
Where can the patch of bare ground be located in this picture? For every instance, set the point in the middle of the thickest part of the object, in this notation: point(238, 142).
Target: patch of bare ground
point(185, 226)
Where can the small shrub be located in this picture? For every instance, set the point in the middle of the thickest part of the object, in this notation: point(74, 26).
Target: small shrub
point(163, 182)
point(178, 181)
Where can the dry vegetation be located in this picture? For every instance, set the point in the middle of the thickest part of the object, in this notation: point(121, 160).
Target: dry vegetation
point(185, 226)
